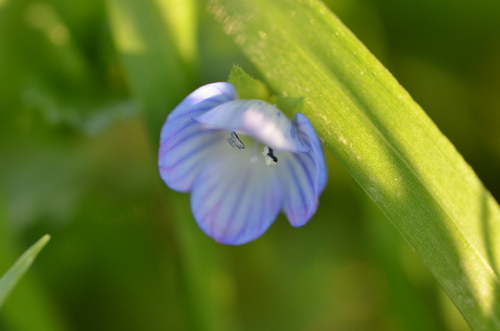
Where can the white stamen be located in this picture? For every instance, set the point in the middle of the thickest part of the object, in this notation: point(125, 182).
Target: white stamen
point(269, 161)
point(269, 156)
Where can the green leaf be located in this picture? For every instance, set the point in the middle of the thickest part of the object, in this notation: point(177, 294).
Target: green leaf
point(246, 86)
point(32, 298)
point(10, 279)
point(383, 138)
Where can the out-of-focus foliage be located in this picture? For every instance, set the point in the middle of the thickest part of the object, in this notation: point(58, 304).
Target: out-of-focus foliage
point(78, 162)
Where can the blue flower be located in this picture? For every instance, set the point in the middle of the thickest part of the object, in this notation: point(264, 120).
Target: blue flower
point(243, 162)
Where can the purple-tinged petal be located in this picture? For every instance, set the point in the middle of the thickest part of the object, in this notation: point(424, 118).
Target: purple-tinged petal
point(308, 135)
point(303, 176)
point(203, 99)
point(234, 201)
point(300, 201)
point(180, 164)
point(184, 144)
point(257, 119)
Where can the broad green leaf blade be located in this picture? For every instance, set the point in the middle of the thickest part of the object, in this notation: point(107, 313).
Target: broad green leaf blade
point(383, 138)
point(17, 271)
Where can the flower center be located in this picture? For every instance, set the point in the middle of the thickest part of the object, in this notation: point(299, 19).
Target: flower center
point(268, 152)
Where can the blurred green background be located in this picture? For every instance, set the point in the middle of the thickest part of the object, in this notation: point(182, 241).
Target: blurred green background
point(78, 161)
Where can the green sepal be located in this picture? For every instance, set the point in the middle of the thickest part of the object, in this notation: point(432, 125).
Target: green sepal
point(289, 105)
point(246, 86)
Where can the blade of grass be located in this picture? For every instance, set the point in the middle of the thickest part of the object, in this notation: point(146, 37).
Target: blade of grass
point(383, 138)
point(10, 279)
point(30, 299)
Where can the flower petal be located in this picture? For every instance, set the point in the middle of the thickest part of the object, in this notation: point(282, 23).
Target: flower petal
point(308, 135)
point(203, 99)
point(257, 119)
point(303, 176)
point(184, 144)
point(235, 201)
